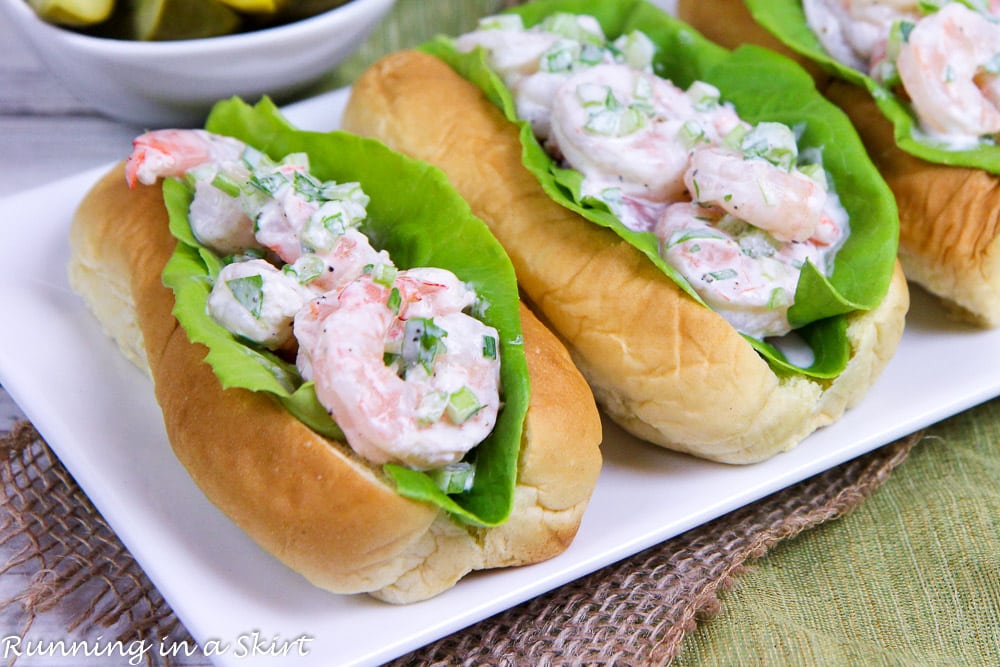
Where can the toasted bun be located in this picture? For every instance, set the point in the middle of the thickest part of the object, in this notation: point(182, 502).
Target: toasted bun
point(667, 369)
point(949, 217)
point(309, 501)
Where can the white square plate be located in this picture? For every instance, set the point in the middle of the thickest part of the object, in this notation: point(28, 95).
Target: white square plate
point(98, 413)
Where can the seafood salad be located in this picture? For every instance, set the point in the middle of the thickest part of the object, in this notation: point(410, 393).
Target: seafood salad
point(408, 374)
point(944, 56)
point(738, 210)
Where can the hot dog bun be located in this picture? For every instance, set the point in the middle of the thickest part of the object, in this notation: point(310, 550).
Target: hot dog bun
point(311, 502)
point(949, 217)
point(667, 369)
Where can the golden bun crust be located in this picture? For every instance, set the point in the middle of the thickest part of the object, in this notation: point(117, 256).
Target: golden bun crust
point(949, 217)
point(665, 368)
point(309, 501)
point(729, 24)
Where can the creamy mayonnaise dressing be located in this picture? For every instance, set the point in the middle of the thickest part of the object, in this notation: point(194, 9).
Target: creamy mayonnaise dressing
point(737, 212)
point(406, 373)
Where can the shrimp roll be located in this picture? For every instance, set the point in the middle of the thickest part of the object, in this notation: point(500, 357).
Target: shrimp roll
point(920, 82)
point(339, 350)
point(700, 226)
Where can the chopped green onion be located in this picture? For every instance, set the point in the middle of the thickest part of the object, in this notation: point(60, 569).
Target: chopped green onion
point(724, 274)
point(779, 298)
point(307, 268)
point(775, 142)
point(226, 185)
point(462, 405)
point(501, 22)
point(246, 255)
point(593, 94)
point(766, 193)
point(422, 341)
point(703, 95)
point(637, 49)
point(560, 56)
point(684, 235)
point(296, 160)
point(348, 192)
point(734, 138)
point(249, 292)
point(270, 184)
point(816, 173)
point(432, 407)
point(885, 72)
point(489, 347)
point(454, 477)
point(617, 123)
point(255, 159)
point(384, 274)
point(327, 224)
point(308, 186)
point(391, 359)
point(691, 134)
point(395, 301)
point(643, 88)
point(569, 26)
point(591, 54)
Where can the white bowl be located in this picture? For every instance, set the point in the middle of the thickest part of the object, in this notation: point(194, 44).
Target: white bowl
point(157, 84)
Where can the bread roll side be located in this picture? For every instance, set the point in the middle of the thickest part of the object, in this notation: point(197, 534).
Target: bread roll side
point(310, 502)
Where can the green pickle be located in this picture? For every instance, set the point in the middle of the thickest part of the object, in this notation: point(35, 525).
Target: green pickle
point(74, 13)
point(163, 20)
point(182, 19)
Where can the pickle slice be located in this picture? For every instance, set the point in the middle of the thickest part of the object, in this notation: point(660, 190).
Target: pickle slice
point(75, 13)
point(182, 19)
point(258, 6)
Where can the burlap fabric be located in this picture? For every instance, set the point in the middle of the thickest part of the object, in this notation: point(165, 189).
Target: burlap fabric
point(635, 612)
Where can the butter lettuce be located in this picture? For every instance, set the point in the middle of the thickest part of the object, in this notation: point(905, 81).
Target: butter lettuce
point(762, 86)
point(420, 220)
point(786, 20)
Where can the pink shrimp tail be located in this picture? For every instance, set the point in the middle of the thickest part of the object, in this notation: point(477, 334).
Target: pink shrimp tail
point(132, 164)
point(173, 152)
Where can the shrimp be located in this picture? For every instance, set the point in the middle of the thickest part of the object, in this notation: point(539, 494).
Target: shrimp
point(742, 279)
point(646, 160)
point(257, 301)
point(854, 32)
point(397, 412)
point(163, 153)
point(518, 55)
point(218, 219)
point(789, 205)
point(944, 67)
point(511, 53)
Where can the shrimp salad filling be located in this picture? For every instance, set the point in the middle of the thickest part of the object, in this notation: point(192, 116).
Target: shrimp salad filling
point(738, 210)
point(408, 374)
point(944, 57)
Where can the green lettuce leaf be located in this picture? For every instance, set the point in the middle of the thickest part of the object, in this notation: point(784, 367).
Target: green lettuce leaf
point(763, 86)
point(786, 20)
point(420, 220)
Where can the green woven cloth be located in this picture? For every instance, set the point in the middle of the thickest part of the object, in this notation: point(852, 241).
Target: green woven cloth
point(911, 577)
